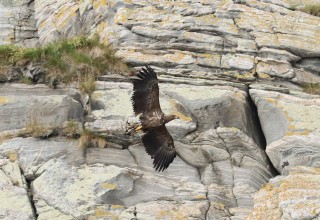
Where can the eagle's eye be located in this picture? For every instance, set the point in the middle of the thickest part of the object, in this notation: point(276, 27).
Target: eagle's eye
point(176, 117)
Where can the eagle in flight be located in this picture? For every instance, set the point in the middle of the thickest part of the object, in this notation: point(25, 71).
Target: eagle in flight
point(145, 100)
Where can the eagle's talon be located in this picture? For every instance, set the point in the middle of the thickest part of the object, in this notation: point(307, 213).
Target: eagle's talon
point(132, 128)
point(138, 128)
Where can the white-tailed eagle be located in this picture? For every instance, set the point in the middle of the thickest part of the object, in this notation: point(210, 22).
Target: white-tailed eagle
point(145, 100)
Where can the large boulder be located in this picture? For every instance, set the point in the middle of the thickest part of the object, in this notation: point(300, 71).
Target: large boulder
point(28, 106)
point(294, 197)
point(291, 128)
point(31, 153)
point(217, 138)
point(15, 201)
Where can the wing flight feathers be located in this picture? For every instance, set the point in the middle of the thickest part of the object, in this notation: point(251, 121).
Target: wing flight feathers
point(160, 146)
point(145, 95)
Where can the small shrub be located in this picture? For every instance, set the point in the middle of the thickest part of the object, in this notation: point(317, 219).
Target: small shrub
point(9, 54)
point(311, 88)
point(71, 130)
point(33, 129)
point(36, 129)
point(312, 9)
point(26, 80)
point(78, 59)
point(91, 139)
point(87, 84)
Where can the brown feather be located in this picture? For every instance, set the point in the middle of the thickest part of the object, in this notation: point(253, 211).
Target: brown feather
point(160, 146)
point(145, 95)
point(145, 99)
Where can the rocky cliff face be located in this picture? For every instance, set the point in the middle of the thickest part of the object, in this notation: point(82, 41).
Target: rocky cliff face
point(230, 70)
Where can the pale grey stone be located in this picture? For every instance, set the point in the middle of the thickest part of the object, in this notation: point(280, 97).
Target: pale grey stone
point(17, 23)
point(302, 76)
point(311, 64)
point(15, 202)
point(23, 105)
point(110, 156)
point(292, 151)
point(275, 68)
point(178, 168)
point(289, 197)
point(266, 54)
point(167, 210)
point(108, 185)
point(32, 152)
point(286, 115)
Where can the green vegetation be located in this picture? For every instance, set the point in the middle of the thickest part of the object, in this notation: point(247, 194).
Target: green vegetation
point(312, 9)
point(311, 88)
point(79, 59)
point(26, 80)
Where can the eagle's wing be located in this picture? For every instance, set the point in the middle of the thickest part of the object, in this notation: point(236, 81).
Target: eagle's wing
point(160, 146)
point(145, 95)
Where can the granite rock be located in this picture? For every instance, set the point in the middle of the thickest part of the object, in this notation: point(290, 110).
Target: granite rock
point(26, 106)
point(296, 196)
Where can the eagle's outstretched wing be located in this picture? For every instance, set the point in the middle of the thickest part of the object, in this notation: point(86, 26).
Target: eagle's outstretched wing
point(160, 146)
point(145, 95)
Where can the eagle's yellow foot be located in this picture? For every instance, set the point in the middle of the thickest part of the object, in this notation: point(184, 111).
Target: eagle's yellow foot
point(138, 128)
point(133, 128)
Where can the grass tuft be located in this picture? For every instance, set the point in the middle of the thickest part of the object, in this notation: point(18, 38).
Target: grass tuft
point(311, 88)
point(78, 59)
point(34, 129)
point(91, 139)
point(312, 9)
point(71, 130)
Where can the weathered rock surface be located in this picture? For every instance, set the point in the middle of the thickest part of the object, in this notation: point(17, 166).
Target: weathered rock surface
point(202, 50)
point(24, 106)
point(31, 153)
point(296, 196)
point(217, 138)
point(237, 38)
point(14, 202)
point(291, 127)
point(17, 23)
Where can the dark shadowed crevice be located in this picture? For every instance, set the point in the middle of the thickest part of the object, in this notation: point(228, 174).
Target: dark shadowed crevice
point(30, 194)
point(259, 131)
point(256, 122)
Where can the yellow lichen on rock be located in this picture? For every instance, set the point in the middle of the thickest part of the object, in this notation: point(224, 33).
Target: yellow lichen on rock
point(108, 185)
point(175, 111)
point(3, 100)
point(172, 215)
point(65, 14)
point(296, 194)
point(99, 3)
point(12, 156)
point(100, 213)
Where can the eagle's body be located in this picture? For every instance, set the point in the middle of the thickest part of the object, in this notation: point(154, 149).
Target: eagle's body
point(156, 138)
